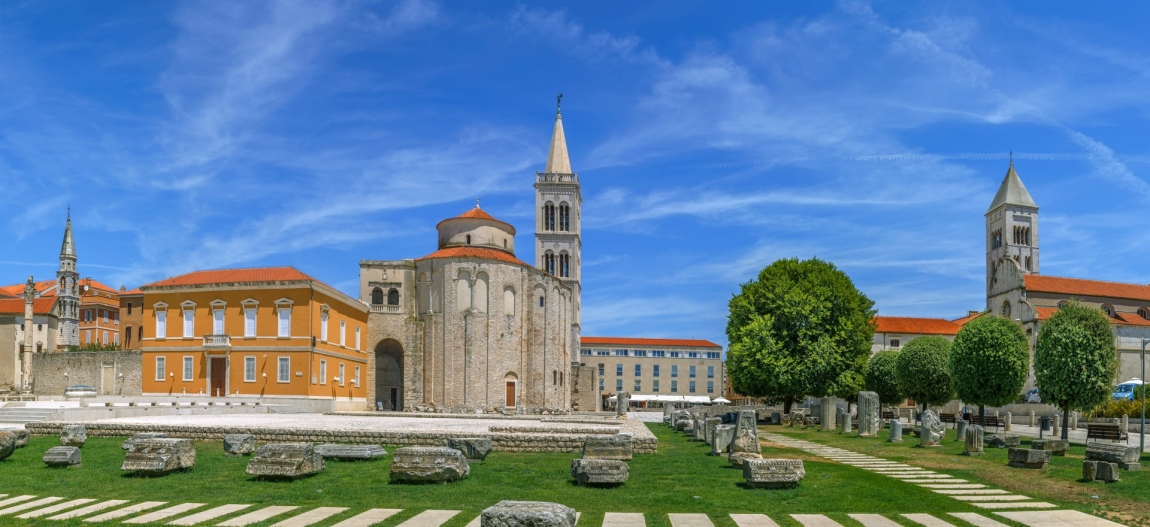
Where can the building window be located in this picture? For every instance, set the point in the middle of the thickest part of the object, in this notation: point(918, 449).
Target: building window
point(343, 333)
point(638, 385)
point(377, 296)
point(1144, 313)
point(540, 301)
point(323, 326)
point(105, 338)
point(549, 263)
point(602, 353)
point(105, 313)
point(116, 338)
point(87, 336)
point(189, 368)
point(658, 353)
point(674, 386)
point(620, 353)
point(1028, 264)
point(692, 375)
point(129, 308)
point(584, 351)
point(127, 336)
point(691, 387)
point(674, 370)
point(676, 354)
point(358, 341)
point(161, 366)
point(655, 386)
point(564, 265)
point(996, 239)
point(284, 369)
point(618, 370)
point(284, 322)
point(342, 379)
point(638, 370)
point(710, 372)
point(639, 353)
point(618, 385)
point(564, 217)
point(393, 297)
point(1005, 309)
point(323, 372)
point(601, 369)
point(549, 216)
point(189, 323)
point(357, 376)
point(249, 321)
point(713, 355)
point(655, 370)
point(710, 386)
point(601, 384)
point(217, 322)
point(895, 343)
point(1105, 309)
point(468, 239)
point(249, 369)
point(692, 354)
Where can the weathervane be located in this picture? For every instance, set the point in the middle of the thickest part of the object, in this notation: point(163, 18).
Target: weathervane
point(1011, 157)
point(558, 103)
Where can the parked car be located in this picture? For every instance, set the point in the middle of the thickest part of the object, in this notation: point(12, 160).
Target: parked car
point(1032, 396)
point(1125, 391)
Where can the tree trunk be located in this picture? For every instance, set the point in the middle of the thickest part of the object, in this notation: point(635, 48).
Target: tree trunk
point(848, 406)
point(924, 407)
point(981, 413)
point(1065, 420)
point(787, 402)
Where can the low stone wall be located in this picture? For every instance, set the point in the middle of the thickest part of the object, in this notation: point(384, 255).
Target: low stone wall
point(553, 430)
point(87, 367)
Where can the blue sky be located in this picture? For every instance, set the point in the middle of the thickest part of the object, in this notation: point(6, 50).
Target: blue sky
point(709, 142)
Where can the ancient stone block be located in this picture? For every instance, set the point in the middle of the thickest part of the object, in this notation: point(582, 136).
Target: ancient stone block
point(1028, 458)
point(156, 457)
point(773, 473)
point(62, 456)
point(930, 433)
point(1112, 452)
point(869, 414)
point(845, 421)
point(827, 414)
point(796, 418)
point(1130, 466)
point(709, 429)
point(973, 441)
point(1107, 472)
point(723, 435)
point(7, 443)
point(1003, 441)
point(895, 431)
point(285, 461)
point(745, 444)
point(1089, 470)
point(416, 464)
point(618, 446)
point(239, 444)
point(22, 436)
point(527, 514)
point(127, 444)
point(1057, 447)
point(599, 471)
point(350, 452)
point(73, 435)
point(473, 448)
point(776, 418)
point(623, 400)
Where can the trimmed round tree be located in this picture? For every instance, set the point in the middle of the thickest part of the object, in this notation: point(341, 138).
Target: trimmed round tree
point(881, 376)
point(989, 361)
point(795, 330)
point(1074, 360)
point(922, 371)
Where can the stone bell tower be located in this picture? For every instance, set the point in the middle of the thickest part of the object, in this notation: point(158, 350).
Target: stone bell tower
point(68, 291)
point(558, 220)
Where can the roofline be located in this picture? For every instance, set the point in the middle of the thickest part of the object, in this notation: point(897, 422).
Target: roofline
point(609, 340)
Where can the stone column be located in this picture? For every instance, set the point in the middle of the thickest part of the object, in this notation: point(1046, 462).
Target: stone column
point(895, 431)
point(960, 429)
point(1006, 426)
point(827, 414)
point(1125, 426)
point(996, 413)
point(1057, 421)
point(846, 423)
point(1074, 420)
point(870, 414)
point(1032, 422)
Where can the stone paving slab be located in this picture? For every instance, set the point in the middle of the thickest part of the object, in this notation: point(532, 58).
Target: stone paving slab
point(753, 520)
point(977, 520)
point(366, 519)
point(29, 505)
point(56, 508)
point(927, 520)
point(16, 499)
point(126, 511)
point(953, 486)
point(874, 520)
point(815, 520)
point(257, 516)
point(971, 491)
point(690, 520)
point(993, 497)
point(165, 513)
point(84, 511)
point(210, 514)
point(955, 481)
point(429, 518)
point(624, 519)
point(317, 515)
point(1057, 519)
point(1016, 505)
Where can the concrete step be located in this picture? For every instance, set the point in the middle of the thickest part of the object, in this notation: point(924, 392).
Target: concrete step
point(288, 409)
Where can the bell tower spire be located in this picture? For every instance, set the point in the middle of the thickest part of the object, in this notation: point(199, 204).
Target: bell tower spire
point(558, 219)
point(68, 290)
point(1011, 227)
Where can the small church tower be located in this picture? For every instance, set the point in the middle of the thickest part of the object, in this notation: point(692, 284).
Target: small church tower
point(1012, 227)
point(558, 222)
point(68, 291)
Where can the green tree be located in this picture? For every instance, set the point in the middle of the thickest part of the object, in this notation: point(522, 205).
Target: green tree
point(795, 330)
point(1074, 360)
point(922, 371)
point(882, 377)
point(989, 361)
point(850, 382)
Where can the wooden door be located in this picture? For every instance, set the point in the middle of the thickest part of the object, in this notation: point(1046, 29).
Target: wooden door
point(511, 395)
point(219, 377)
point(108, 380)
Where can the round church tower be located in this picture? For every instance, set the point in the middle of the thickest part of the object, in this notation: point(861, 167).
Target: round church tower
point(476, 228)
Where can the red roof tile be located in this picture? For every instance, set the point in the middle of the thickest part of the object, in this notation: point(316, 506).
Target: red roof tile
point(17, 290)
point(232, 276)
point(479, 214)
point(1044, 313)
point(1080, 287)
point(628, 341)
point(962, 321)
point(919, 326)
point(133, 292)
point(475, 252)
point(15, 306)
point(1130, 319)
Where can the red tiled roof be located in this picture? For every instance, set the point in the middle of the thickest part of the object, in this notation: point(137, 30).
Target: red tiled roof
point(1044, 313)
point(133, 292)
point(17, 290)
point(920, 326)
point(230, 276)
point(962, 321)
point(97, 285)
point(479, 214)
point(1130, 319)
point(15, 306)
point(475, 252)
point(1081, 287)
point(628, 341)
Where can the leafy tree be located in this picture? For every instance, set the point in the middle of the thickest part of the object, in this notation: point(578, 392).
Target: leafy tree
point(795, 330)
point(1074, 361)
point(95, 346)
point(989, 361)
point(850, 382)
point(922, 371)
point(881, 376)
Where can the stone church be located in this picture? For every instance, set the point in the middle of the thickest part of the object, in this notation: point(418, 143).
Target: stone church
point(471, 327)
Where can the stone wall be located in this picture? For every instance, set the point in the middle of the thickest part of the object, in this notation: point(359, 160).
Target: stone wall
point(87, 367)
point(584, 388)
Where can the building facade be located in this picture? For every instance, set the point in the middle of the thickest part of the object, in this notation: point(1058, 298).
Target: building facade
point(99, 321)
point(892, 333)
point(28, 324)
point(131, 318)
point(643, 366)
point(270, 332)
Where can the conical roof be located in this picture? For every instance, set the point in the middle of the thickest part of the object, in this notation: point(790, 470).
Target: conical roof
point(1012, 192)
point(557, 160)
point(68, 248)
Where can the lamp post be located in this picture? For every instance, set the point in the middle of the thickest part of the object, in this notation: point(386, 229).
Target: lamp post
point(1142, 423)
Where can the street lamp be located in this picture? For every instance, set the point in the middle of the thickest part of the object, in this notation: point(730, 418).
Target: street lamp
point(1142, 423)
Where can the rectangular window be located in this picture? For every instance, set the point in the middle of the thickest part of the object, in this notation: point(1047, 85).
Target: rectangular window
point(713, 355)
point(357, 344)
point(323, 372)
point(342, 379)
point(638, 353)
point(249, 321)
point(692, 354)
point(618, 385)
point(189, 368)
point(357, 375)
point(249, 369)
point(710, 372)
point(602, 353)
point(285, 322)
point(692, 387)
point(342, 335)
point(620, 353)
point(323, 327)
point(161, 366)
point(161, 324)
point(601, 383)
point(674, 386)
point(674, 370)
point(655, 370)
point(894, 343)
point(638, 385)
point(129, 308)
point(105, 335)
point(638, 370)
point(658, 353)
point(601, 369)
point(692, 372)
point(710, 386)
point(116, 318)
point(105, 313)
point(116, 338)
point(584, 351)
point(675, 355)
point(87, 336)
point(618, 370)
point(189, 323)
point(655, 386)
point(284, 373)
point(217, 322)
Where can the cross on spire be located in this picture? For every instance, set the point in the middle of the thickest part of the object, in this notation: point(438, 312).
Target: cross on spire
point(558, 103)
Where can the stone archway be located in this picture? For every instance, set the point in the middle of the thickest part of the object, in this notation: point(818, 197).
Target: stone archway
point(389, 375)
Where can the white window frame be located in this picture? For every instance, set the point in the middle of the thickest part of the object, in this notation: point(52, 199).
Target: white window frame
point(343, 333)
point(357, 374)
point(283, 369)
point(218, 327)
point(250, 318)
point(189, 368)
point(342, 374)
point(283, 321)
point(161, 323)
point(105, 338)
point(358, 340)
point(161, 368)
point(322, 371)
point(249, 368)
point(189, 318)
point(323, 319)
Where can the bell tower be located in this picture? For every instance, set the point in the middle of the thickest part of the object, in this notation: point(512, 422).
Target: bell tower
point(68, 291)
point(1012, 227)
point(558, 219)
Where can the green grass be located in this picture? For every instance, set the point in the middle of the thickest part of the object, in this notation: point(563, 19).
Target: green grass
point(1127, 501)
point(680, 478)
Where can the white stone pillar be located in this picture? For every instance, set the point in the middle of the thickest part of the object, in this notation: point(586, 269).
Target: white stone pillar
point(1125, 423)
point(1007, 427)
point(1057, 421)
point(1032, 418)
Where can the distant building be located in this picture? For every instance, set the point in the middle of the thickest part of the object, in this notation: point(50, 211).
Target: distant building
point(892, 333)
point(99, 314)
point(27, 324)
point(648, 366)
point(131, 318)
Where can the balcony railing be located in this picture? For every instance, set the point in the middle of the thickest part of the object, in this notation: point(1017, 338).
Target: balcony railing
point(217, 341)
point(544, 177)
point(378, 308)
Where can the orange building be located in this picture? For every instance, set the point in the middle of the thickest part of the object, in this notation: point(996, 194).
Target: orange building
point(270, 332)
point(131, 318)
point(99, 314)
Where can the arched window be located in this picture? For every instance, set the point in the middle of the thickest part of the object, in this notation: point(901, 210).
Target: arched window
point(564, 265)
point(540, 301)
point(549, 216)
point(377, 296)
point(468, 239)
point(1028, 264)
point(393, 298)
point(1006, 308)
point(996, 239)
point(564, 217)
point(1062, 304)
point(1108, 310)
point(549, 263)
point(1144, 313)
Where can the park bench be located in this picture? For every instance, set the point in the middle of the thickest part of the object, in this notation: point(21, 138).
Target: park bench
point(887, 414)
point(989, 422)
point(948, 418)
point(1105, 431)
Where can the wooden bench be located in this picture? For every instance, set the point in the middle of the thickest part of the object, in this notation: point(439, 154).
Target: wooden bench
point(989, 422)
point(887, 414)
point(1105, 431)
point(948, 418)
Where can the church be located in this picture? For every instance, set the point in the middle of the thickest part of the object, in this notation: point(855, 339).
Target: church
point(471, 327)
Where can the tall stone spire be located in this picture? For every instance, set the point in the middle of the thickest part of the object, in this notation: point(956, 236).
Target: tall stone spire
point(1011, 230)
point(67, 290)
point(557, 160)
point(68, 248)
point(1012, 192)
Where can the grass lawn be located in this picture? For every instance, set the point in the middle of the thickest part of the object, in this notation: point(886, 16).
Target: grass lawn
point(680, 478)
point(1127, 501)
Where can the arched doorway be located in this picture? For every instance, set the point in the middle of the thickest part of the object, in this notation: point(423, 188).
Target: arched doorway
point(389, 375)
point(511, 380)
